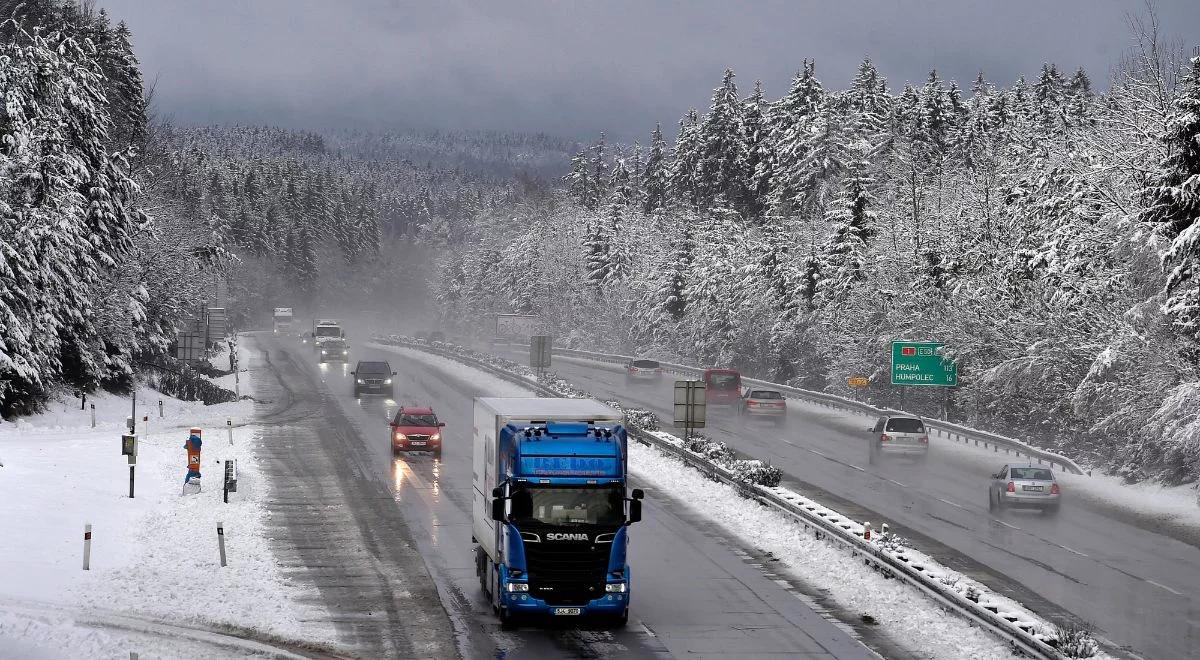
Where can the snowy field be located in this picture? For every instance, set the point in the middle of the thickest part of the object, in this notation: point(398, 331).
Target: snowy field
point(154, 559)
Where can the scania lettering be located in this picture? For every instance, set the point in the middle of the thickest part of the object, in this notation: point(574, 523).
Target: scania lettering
point(551, 510)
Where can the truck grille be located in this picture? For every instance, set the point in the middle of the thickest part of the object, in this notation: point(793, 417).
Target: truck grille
point(567, 573)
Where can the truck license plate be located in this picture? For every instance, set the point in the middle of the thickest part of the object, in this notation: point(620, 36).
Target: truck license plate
point(567, 611)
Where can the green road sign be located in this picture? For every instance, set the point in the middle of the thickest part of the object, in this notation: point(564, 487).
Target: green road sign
point(921, 363)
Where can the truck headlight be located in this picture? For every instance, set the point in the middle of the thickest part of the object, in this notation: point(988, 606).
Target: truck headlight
point(617, 588)
point(516, 586)
point(360, 381)
point(324, 352)
point(387, 381)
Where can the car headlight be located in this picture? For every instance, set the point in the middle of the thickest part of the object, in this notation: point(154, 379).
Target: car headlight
point(401, 436)
point(360, 381)
point(324, 352)
point(387, 381)
point(617, 588)
point(516, 586)
point(436, 436)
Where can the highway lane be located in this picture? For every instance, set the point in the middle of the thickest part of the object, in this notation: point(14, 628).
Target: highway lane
point(1139, 588)
point(697, 593)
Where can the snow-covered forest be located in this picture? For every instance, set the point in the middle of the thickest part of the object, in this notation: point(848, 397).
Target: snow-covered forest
point(1047, 233)
point(77, 298)
point(115, 222)
point(1044, 229)
point(343, 220)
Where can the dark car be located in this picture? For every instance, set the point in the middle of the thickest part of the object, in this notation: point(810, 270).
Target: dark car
point(373, 378)
point(416, 428)
point(335, 350)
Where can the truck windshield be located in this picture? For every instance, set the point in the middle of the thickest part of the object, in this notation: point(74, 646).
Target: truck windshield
point(329, 331)
point(578, 505)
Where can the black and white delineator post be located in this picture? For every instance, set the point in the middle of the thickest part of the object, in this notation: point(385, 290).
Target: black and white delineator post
point(230, 479)
point(221, 540)
point(229, 425)
point(129, 445)
point(93, 415)
point(690, 408)
point(87, 547)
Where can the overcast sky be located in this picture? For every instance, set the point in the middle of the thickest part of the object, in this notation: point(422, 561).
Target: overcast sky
point(577, 68)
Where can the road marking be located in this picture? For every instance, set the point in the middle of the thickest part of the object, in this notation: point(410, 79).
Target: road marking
point(856, 467)
point(1073, 551)
point(1163, 586)
point(898, 483)
point(1006, 524)
point(953, 504)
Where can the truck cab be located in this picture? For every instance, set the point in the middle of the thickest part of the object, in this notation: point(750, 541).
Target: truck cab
point(552, 508)
point(326, 330)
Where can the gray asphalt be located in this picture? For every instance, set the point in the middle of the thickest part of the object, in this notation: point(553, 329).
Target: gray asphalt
point(1139, 586)
point(387, 541)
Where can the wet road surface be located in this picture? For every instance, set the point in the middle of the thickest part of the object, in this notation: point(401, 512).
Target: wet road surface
point(387, 540)
point(1139, 587)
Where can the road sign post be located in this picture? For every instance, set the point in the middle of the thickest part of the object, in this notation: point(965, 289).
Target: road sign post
point(689, 406)
point(856, 383)
point(540, 350)
point(921, 364)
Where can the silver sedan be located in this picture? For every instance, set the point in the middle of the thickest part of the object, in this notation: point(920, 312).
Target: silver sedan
point(1024, 487)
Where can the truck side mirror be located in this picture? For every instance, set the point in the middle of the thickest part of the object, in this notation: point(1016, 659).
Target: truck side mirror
point(638, 494)
point(497, 492)
point(393, 373)
point(352, 373)
point(635, 511)
point(498, 510)
point(522, 504)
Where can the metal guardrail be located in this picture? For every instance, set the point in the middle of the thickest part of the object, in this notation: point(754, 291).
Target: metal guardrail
point(950, 431)
point(812, 515)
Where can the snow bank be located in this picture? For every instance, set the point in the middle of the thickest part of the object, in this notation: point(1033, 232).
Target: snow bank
point(155, 555)
point(901, 612)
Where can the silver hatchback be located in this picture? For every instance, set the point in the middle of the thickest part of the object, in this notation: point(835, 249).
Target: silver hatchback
point(1026, 487)
point(899, 434)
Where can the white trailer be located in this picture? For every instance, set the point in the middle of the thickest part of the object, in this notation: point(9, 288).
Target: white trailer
point(282, 321)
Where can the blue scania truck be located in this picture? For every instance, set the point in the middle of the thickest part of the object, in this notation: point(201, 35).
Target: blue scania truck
point(551, 508)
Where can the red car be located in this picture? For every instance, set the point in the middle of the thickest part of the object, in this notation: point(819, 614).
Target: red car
point(416, 428)
point(722, 387)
